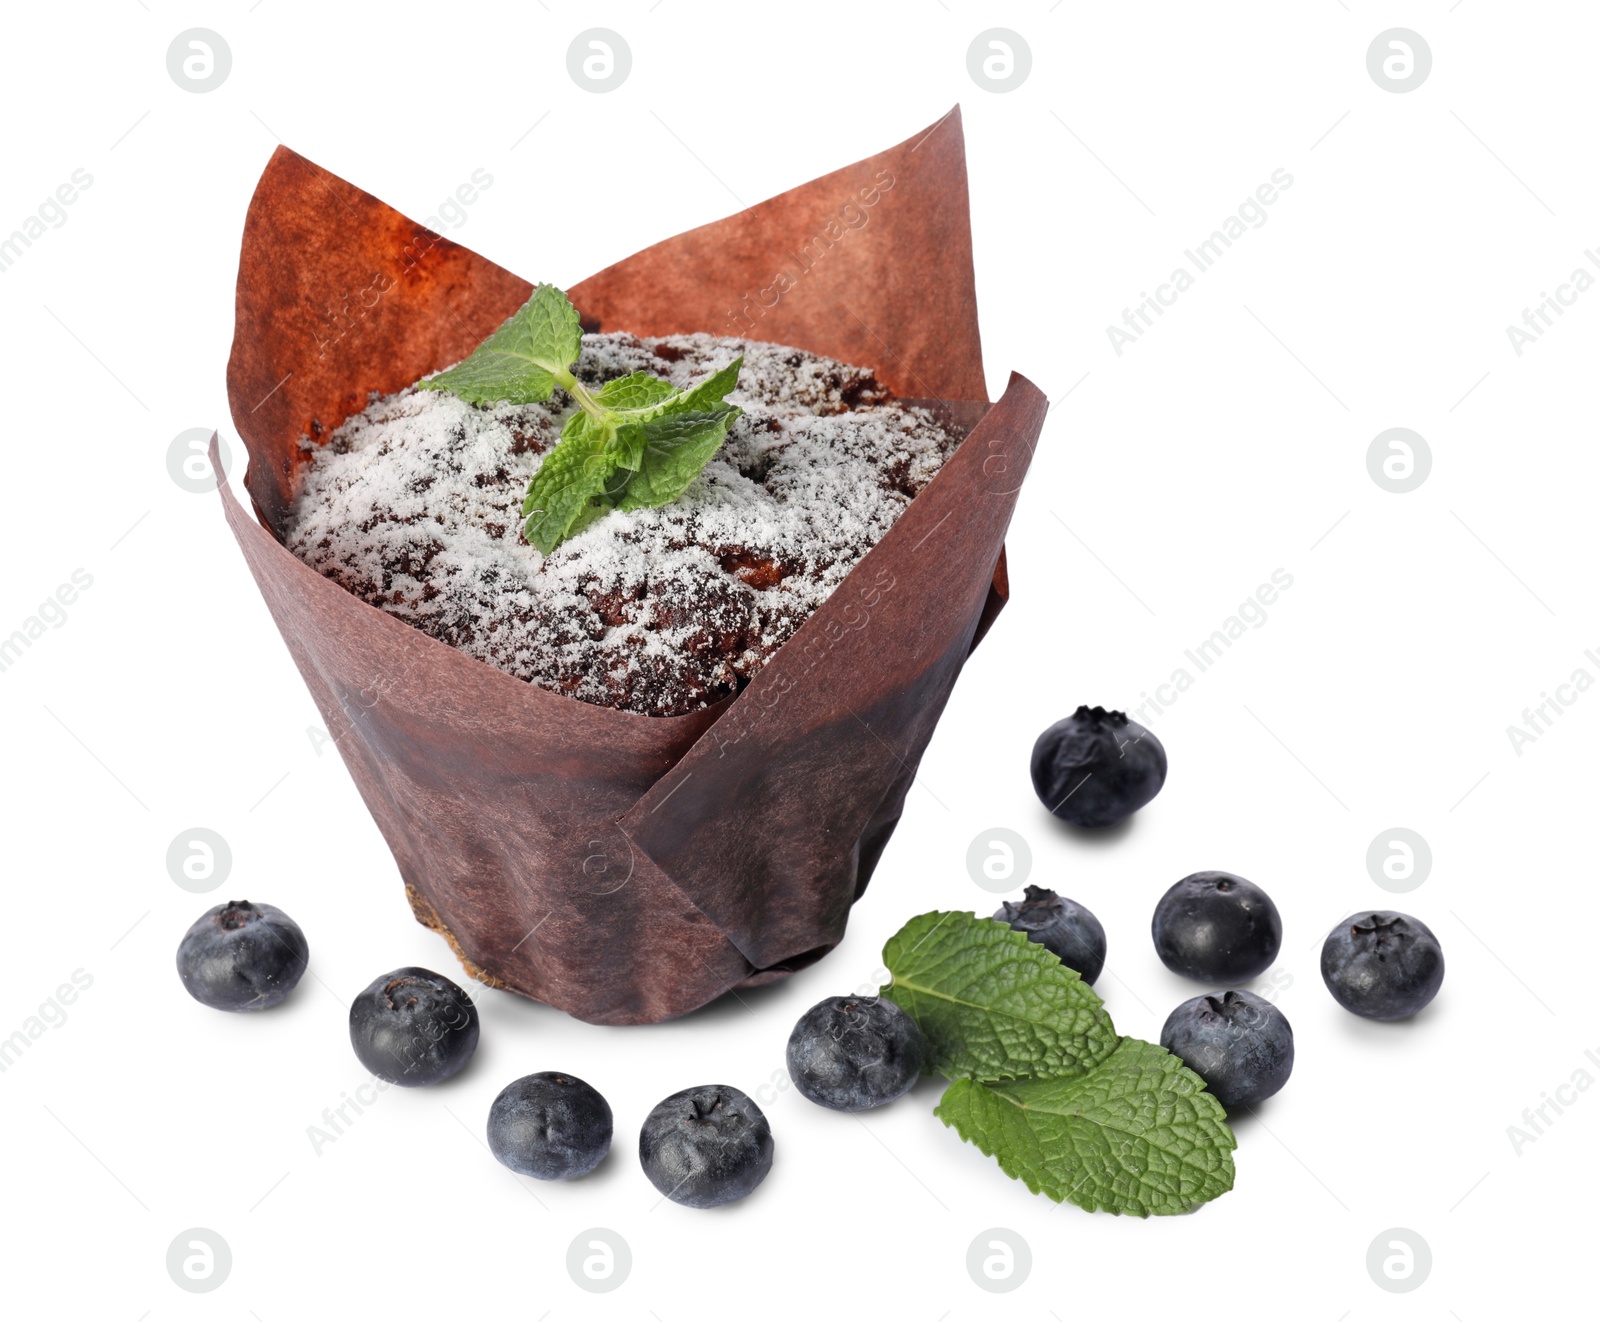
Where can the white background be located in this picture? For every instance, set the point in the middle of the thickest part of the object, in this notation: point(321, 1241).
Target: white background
point(1229, 442)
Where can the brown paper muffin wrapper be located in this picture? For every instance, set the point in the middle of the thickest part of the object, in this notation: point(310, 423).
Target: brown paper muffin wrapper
point(627, 868)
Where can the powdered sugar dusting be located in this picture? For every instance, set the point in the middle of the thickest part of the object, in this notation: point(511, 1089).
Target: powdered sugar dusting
point(415, 506)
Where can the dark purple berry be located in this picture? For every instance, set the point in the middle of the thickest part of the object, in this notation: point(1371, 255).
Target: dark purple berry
point(550, 1126)
point(1240, 1044)
point(1382, 965)
point(706, 1146)
point(242, 956)
point(413, 1027)
point(851, 1053)
point(1063, 927)
point(1216, 927)
point(1097, 767)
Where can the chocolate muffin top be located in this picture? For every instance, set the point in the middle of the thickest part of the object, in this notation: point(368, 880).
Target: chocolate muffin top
point(414, 505)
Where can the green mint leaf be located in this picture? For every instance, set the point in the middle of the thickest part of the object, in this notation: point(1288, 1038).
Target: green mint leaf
point(668, 435)
point(636, 391)
point(992, 1004)
point(524, 360)
point(708, 394)
point(585, 429)
point(574, 477)
point(623, 443)
point(597, 508)
point(676, 434)
point(640, 396)
point(1138, 1134)
point(629, 446)
point(671, 450)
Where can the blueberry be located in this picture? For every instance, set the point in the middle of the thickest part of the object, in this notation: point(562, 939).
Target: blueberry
point(1382, 965)
point(242, 956)
point(413, 1027)
point(1097, 767)
point(550, 1126)
point(1066, 929)
point(851, 1053)
point(706, 1146)
point(1241, 1045)
point(1216, 927)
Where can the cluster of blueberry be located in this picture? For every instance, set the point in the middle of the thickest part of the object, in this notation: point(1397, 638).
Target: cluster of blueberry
point(1218, 928)
point(1095, 769)
point(700, 1147)
point(711, 1145)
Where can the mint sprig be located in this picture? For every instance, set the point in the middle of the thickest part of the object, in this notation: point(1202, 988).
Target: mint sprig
point(636, 442)
point(1041, 1081)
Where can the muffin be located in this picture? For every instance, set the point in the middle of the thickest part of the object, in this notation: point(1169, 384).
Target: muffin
point(571, 839)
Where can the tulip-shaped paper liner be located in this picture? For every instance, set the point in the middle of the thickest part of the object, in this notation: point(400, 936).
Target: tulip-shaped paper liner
point(628, 868)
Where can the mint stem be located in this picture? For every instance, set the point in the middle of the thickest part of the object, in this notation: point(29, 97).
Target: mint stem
point(587, 402)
